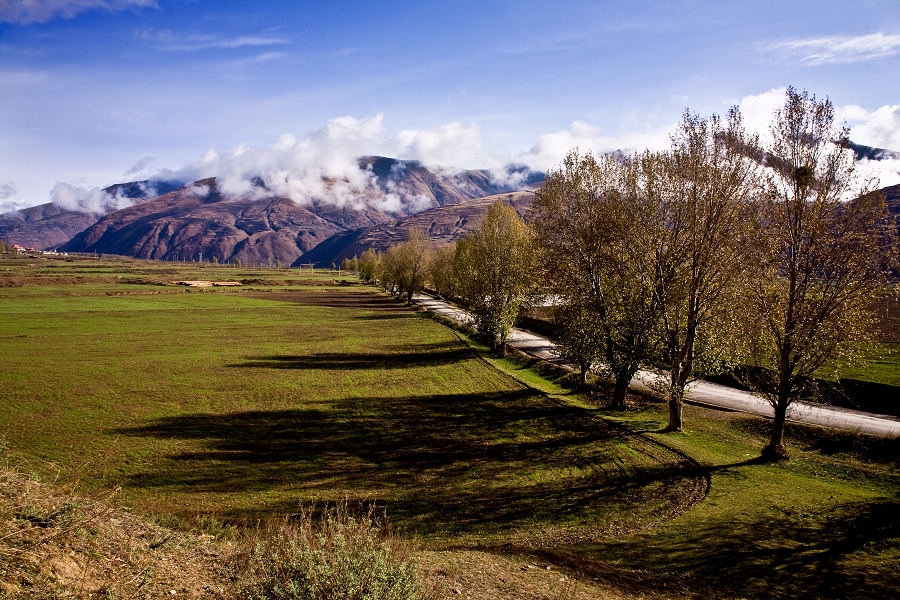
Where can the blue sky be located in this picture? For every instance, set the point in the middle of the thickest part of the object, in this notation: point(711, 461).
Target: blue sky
point(93, 92)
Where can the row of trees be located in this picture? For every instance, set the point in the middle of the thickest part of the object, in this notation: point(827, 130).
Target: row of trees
point(492, 272)
point(718, 251)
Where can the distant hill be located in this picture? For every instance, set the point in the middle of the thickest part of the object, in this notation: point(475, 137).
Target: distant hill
point(49, 226)
point(870, 153)
point(198, 221)
point(444, 225)
point(43, 226)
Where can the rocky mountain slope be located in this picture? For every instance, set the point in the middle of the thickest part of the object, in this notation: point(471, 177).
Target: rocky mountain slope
point(199, 222)
point(43, 226)
point(49, 225)
point(444, 225)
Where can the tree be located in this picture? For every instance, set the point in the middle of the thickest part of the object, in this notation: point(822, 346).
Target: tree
point(591, 218)
point(405, 265)
point(701, 190)
point(368, 265)
point(818, 256)
point(440, 271)
point(578, 337)
point(495, 268)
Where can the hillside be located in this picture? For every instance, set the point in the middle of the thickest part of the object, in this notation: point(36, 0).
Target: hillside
point(43, 226)
point(445, 225)
point(49, 225)
point(197, 221)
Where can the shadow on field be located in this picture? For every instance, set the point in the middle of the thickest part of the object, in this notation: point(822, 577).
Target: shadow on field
point(417, 356)
point(486, 463)
point(360, 300)
point(824, 555)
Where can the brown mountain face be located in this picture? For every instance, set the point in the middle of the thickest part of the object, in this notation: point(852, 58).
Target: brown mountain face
point(197, 221)
point(444, 225)
point(43, 226)
point(48, 226)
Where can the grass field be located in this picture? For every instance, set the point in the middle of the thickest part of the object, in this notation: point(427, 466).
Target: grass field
point(233, 404)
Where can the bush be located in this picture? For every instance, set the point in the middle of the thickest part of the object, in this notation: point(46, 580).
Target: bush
point(330, 557)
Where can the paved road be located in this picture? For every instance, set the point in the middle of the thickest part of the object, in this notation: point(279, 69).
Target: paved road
point(703, 392)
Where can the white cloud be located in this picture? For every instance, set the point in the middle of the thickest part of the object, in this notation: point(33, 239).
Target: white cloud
point(879, 128)
point(552, 147)
point(320, 166)
point(447, 144)
point(25, 12)
point(139, 167)
point(841, 49)
point(87, 200)
point(323, 166)
point(885, 172)
point(758, 110)
point(169, 40)
point(10, 199)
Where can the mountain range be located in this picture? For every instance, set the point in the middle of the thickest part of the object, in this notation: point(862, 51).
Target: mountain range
point(171, 220)
point(199, 222)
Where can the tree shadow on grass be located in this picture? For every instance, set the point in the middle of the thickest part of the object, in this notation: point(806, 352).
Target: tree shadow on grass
point(824, 555)
point(494, 462)
point(400, 359)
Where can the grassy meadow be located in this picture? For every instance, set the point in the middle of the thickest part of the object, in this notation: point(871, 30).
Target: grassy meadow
point(230, 405)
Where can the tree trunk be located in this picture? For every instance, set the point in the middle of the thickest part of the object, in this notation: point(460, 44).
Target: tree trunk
point(619, 393)
point(676, 398)
point(584, 372)
point(676, 403)
point(775, 450)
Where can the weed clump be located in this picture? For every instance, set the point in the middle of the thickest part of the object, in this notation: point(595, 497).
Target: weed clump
point(328, 557)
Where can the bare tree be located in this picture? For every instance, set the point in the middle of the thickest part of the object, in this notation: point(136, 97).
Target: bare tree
point(495, 270)
point(818, 254)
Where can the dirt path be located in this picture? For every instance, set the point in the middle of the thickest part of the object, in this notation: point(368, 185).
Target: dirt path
point(702, 392)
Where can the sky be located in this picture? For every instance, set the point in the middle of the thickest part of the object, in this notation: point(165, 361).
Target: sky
point(95, 92)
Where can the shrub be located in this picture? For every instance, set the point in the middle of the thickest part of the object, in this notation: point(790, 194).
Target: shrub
point(329, 557)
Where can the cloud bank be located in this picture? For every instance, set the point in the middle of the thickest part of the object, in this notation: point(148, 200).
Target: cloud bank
point(27, 12)
point(323, 165)
point(87, 200)
point(879, 128)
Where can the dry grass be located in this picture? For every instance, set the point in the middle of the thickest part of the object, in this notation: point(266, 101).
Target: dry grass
point(55, 543)
point(345, 552)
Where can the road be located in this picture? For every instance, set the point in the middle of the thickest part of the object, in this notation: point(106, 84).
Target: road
point(703, 392)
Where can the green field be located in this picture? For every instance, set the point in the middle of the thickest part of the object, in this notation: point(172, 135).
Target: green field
point(243, 403)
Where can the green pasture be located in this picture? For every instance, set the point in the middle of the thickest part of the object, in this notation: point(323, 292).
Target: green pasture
point(238, 404)
point(243, 403)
